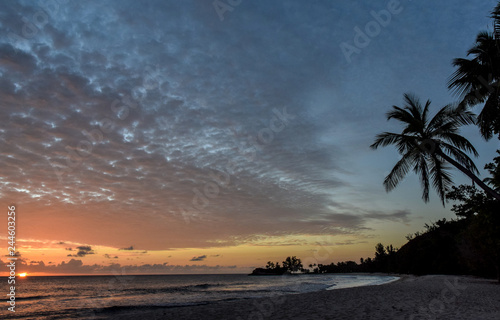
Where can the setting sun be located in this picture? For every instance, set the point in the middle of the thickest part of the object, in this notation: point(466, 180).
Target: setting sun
point(22, 275)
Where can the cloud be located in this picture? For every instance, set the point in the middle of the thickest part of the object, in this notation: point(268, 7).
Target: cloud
point(128, 249)
point(16, 254)
point(349, 242)
point(76, 266)
point(82, 251)
point(174, 139)
point(400, 216)
point(200, 258)
point(107, 256)
point(190, 157)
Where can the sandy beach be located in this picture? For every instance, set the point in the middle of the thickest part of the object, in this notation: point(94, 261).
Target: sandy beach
point(415, 298)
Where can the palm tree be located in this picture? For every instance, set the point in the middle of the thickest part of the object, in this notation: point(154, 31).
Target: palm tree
point(427, 146)
point(477, 80)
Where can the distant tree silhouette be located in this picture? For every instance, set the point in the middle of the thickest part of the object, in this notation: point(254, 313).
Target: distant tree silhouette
point(270, 269)
point(292, 264)
point(380, 252)
point(385, 258)
point(428, 145)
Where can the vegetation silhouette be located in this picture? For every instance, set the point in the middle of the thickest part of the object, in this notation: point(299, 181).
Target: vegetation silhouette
point(469, 244)
point(290, 265)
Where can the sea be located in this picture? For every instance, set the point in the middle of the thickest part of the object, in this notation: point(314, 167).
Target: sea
point(94, 297)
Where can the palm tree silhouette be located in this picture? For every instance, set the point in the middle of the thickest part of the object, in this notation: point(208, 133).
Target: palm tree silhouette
point(477, 80)
point(427, 146)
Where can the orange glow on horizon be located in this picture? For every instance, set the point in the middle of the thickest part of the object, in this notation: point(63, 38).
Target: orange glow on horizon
point(60, 258)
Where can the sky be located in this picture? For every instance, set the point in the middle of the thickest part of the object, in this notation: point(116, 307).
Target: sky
point(213, 136)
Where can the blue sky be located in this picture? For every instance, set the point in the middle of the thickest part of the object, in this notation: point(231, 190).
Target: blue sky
point(159, 124)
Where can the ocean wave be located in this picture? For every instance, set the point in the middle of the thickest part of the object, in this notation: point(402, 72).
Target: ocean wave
point(175, 289)
point(206, 285)
point(32, 298)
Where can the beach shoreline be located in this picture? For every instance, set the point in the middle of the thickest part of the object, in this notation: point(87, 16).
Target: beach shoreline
point(410, 297)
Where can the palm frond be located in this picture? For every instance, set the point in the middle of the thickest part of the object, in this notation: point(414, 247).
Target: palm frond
point(473, 75)
point(460, 156)
point(405, 117)
point(426, 112)
point(413, 105)
point(449, 119)
point(486, 119)
point(385, 138)
point(422, 170)
point(439, 119)
point(495, 14)
point(458, 142)
point(441, 179)
point(399, 171)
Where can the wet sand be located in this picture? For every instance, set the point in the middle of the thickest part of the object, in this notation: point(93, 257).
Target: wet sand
point(415, 298)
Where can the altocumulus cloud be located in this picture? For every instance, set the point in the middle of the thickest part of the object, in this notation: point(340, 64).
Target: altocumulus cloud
point(130, 112)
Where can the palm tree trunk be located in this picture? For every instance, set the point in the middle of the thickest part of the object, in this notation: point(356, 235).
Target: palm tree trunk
point(469, 174)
